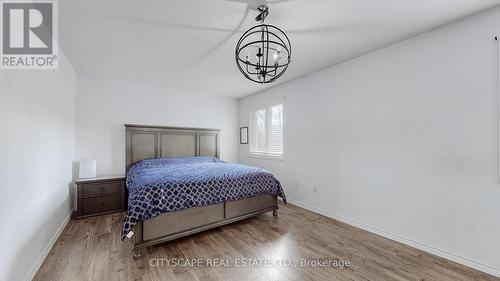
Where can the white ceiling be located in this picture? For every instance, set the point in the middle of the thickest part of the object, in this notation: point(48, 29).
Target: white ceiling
point(189, 44)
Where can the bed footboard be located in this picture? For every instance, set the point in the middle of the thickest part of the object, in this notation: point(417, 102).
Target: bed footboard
point(173, 225)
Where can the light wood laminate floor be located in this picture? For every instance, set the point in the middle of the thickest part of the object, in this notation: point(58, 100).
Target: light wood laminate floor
point(91, 249)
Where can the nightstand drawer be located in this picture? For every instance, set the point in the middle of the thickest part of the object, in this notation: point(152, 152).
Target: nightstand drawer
point(101, 189)
point(101, 204)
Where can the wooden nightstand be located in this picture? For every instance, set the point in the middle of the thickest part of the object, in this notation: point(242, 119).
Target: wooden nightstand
point(99, 196)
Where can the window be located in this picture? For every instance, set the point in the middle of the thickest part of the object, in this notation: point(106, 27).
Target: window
point(266, 131)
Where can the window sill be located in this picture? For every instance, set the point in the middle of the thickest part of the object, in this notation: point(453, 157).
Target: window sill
point(266, 156)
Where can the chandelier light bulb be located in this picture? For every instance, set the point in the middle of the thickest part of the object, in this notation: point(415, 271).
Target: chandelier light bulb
point(276, 56)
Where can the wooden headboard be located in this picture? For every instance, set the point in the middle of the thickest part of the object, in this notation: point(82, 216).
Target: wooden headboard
point(146, 141)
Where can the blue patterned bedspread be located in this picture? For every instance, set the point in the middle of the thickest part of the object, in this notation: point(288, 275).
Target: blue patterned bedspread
point(164, 185)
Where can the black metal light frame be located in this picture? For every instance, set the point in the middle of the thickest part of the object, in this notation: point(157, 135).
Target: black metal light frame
point(271, 38)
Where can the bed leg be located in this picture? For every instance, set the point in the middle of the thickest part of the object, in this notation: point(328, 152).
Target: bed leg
point(137, 254)
point(275, 213)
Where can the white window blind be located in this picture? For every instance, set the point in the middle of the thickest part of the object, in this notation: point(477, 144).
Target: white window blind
point(260, 131)
point(266, 131)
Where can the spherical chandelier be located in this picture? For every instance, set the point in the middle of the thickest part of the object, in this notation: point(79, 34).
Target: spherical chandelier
point(263, 52)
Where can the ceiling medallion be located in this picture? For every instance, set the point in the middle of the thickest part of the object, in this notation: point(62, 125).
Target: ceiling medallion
point(263, 52)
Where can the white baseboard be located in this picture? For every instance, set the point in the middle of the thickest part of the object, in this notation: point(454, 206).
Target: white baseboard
point(429, 249)
point(47, 249)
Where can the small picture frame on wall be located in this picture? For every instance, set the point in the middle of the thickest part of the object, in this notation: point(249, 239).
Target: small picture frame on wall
point(244, 135)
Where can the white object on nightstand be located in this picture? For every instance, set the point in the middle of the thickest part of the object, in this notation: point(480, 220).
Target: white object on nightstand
point(87, 169)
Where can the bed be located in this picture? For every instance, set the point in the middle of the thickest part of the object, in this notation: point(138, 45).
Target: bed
point(177, 186)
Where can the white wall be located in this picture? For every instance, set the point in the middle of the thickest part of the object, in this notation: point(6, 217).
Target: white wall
point(37, 144)
point(104, 105)
point(402, 141)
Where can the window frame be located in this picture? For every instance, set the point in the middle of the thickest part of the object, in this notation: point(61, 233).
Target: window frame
point(268, 115)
